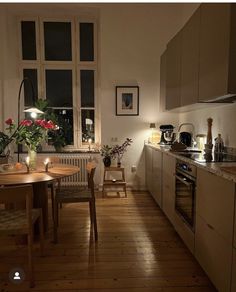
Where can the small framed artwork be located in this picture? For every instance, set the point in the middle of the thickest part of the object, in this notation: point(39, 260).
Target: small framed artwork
point(127, 100)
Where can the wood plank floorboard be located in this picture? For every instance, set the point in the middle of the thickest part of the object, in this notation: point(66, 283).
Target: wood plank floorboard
point(137, 251)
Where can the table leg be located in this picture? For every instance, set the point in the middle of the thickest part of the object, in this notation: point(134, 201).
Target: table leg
point(41, 201)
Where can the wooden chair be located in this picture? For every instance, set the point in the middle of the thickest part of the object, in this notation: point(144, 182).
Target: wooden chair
point(21, 221)
point(75, 195)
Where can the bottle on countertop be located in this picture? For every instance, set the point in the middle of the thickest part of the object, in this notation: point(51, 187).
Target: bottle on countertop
point(219, 144)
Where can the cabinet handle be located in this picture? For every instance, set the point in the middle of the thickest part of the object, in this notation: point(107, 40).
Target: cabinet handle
point(210, 226)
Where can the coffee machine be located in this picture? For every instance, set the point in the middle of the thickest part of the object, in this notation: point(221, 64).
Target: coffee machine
point(167, 135)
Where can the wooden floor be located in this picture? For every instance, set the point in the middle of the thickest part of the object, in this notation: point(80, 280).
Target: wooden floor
point(137, 251)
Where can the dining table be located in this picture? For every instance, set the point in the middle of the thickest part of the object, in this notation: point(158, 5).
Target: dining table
point(39, 178)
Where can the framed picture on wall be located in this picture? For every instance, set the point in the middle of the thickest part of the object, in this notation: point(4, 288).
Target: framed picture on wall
point(127, 100)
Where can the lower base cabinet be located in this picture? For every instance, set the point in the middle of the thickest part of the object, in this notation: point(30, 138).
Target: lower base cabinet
point(168, 186)
point(233, 285)
point(214, 255)
point(184, 232)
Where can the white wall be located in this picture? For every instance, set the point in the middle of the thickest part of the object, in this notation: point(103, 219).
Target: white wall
point(133, 37)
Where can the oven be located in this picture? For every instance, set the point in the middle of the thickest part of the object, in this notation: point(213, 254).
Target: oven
point(185, 188)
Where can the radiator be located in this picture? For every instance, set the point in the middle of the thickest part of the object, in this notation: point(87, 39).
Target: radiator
point(80, 160)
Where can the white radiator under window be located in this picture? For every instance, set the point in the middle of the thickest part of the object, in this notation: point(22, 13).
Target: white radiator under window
point(80, 160)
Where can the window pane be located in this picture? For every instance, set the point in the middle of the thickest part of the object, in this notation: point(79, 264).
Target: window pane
point(86, 42)
point(87, 88)
point(65, 123)
point(30, 94)
point(28, 37)
point(87, 122)
point(57, 40)
point(59, 88)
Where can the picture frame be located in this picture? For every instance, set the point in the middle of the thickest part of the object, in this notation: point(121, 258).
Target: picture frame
point(127, 100)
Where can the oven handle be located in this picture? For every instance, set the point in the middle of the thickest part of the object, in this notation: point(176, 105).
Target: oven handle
point(183, 181)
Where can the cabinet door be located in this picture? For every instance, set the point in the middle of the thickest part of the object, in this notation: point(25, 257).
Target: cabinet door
point(163, 82)
point(190, 60)
point(233, 285)
point(214, 254)
point(157, 176)
point(173, 72)
point(214, 50)
point(215, 202)
point(148, 162)
point(235, 223)
point(168, 186)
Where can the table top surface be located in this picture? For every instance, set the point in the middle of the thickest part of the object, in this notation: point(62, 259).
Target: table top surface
point(16, 177)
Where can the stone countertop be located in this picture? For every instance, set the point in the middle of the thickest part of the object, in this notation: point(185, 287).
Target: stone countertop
point(213, 167)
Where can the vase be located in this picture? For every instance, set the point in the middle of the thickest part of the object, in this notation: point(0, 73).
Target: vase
point(118, 161)
point(32, 159)
point(107, 161)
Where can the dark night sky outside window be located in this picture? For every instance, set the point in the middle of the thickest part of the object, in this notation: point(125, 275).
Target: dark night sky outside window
point(87, 88)
point(57, 37)
point(28, 37)
point(59, 88)
point(86, 42)
point(28, 94)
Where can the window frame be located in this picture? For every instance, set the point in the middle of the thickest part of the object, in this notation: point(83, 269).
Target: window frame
point(75, 65)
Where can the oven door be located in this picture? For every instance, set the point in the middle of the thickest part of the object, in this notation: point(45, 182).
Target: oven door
point(185, 198)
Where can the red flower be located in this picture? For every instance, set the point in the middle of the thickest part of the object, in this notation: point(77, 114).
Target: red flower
point(26, 123)
point(9, 122)
point(39, 122)
point(49, 125)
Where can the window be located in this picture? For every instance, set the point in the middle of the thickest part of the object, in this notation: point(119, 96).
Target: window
point(63, 70)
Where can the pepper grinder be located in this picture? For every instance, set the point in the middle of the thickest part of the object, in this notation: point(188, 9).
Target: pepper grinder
point(209, 145)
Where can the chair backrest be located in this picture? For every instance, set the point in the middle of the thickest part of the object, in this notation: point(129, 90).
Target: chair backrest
point(91, 167)
point(18, 194)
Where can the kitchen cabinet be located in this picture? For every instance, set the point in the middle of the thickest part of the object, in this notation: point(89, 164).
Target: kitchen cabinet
point(214, 227)
point(190, 60)
point(154, 173)
point(217, 63)
point(235, 222)
point(157, 176)
point(233, 284)
point(173, 72)
point(168, 186)
point(148, 164)
point(163, 82)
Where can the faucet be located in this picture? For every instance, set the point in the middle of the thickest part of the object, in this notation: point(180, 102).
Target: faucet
point(193, 131)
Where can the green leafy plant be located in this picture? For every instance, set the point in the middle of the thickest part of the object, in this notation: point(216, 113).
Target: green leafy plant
point(106, 151)
point(30, 133)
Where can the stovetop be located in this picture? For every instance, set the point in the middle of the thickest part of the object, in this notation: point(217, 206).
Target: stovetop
point(214, 157)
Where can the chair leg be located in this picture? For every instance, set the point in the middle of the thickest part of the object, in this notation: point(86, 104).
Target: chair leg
point(91, 212)
point(30, 258)
point(94, 219)
point(41, 234)
point(55, 223)
point(52, 199)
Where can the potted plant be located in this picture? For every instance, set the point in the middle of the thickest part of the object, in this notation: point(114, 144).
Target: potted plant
point(106, 152)
point(119, 150)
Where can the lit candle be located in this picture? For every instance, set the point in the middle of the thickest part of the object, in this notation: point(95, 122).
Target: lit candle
point(46, 162)
point(90, 142)
point(27, 163)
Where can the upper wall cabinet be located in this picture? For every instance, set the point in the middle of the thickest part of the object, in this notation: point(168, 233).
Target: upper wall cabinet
point(190, 60)
point(163, 82)
point(173, 72)
point(217, 64)
point(201, 58)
